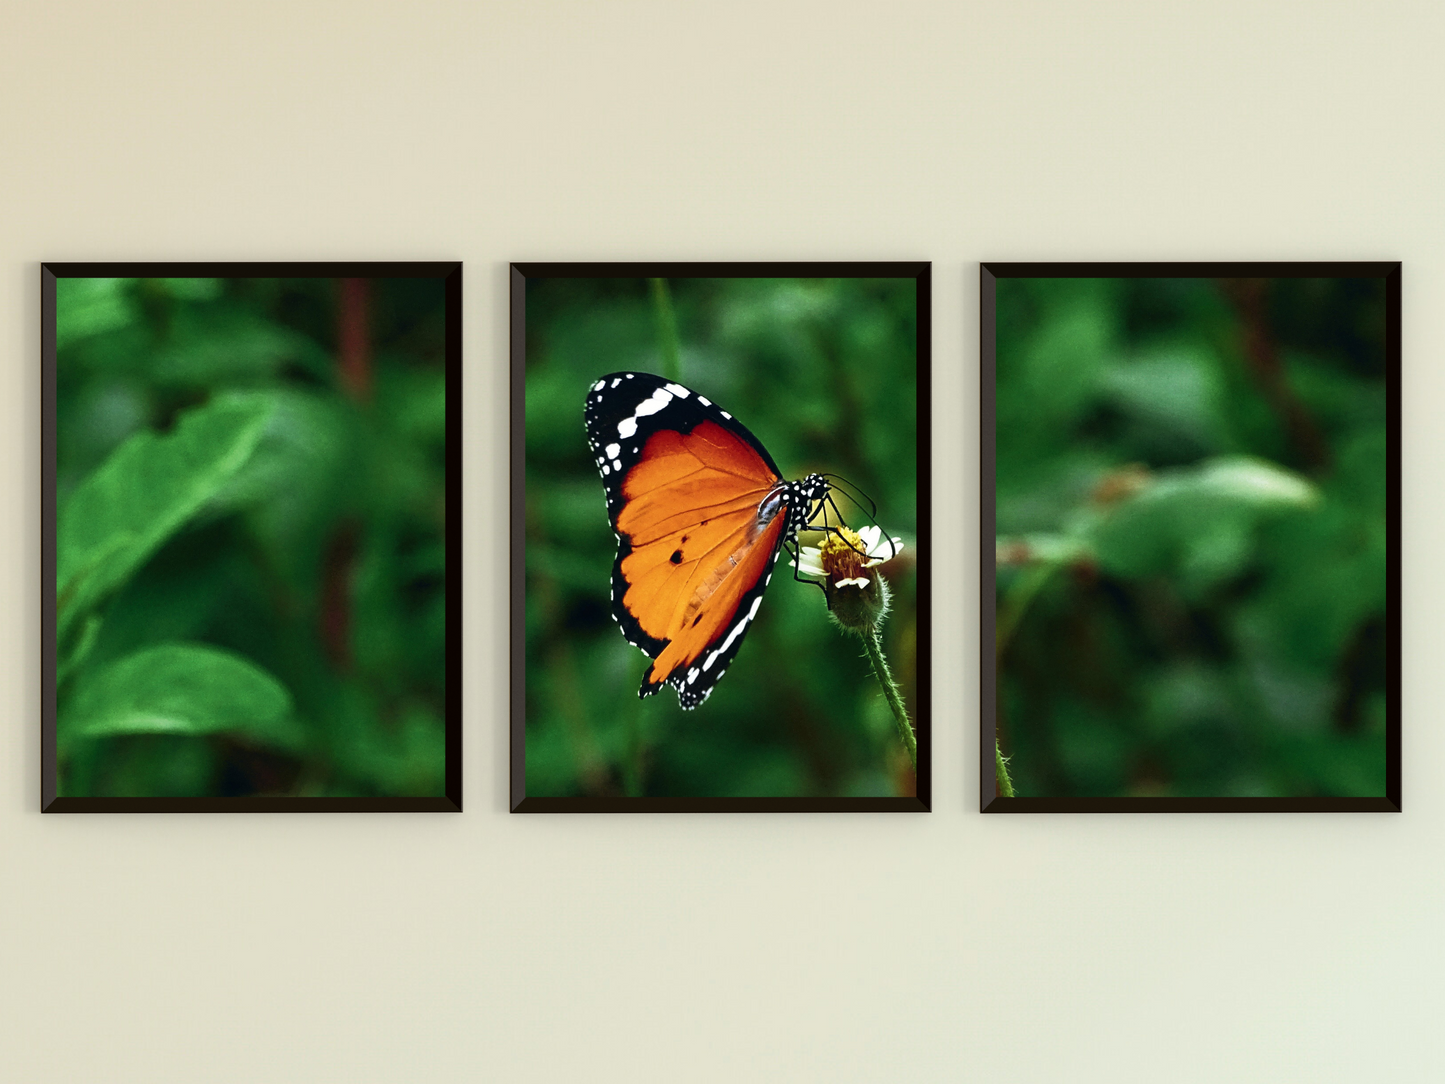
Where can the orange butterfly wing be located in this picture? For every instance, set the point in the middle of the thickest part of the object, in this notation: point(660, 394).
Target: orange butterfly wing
point(700, 514)
point(697, 544)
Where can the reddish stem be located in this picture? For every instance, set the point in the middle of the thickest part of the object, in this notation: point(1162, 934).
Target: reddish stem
point(336, 606)
point(1251, 297)
point(353, 337)
point(353, 371)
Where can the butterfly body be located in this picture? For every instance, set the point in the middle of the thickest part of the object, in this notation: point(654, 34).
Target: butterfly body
point(701, 513)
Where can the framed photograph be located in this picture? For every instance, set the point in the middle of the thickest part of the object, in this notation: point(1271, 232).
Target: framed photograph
point(252, 527)
point(720, 547)
point(1190, 537)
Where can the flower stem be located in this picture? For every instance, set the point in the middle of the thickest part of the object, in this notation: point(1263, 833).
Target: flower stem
point(667, 341)
point(874, 647)
point(1000, 767)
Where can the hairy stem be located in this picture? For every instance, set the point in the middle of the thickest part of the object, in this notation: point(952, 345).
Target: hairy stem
point(874, 647)
point(1000, 767)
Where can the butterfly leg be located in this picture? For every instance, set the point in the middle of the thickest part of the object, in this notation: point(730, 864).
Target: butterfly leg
point(795, 553)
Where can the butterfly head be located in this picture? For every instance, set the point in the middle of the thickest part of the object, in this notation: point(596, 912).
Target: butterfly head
point(798, 499)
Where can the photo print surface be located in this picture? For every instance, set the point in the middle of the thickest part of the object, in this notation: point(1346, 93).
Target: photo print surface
point(719, 537)
point(252, 516)
point(1191, 544)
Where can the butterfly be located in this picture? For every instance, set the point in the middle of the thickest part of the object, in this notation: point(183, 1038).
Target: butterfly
point(701, 513)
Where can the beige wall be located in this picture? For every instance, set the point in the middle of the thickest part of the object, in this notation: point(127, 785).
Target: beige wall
point(935, 947)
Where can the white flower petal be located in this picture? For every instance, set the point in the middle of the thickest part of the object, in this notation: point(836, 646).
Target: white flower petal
point(869, 536)
point(883, 550)
point(861, 581)
point(809, 566)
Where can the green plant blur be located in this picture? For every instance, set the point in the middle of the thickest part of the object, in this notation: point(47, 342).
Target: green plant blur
point(824, 373)
point(250, 550)
point(1191, 490)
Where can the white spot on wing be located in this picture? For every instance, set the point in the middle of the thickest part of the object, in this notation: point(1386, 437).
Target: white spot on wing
point(617, 464)
point(678, 390)
point(653, 403)
point(598, 386)
point(616, 380)
point(613, 451)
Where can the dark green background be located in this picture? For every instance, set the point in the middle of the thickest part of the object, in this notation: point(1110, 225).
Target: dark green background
point(275, 624)
point(824, 373)
point(1187, 628)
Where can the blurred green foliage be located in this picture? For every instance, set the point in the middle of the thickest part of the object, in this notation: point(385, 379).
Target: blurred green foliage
point(250, 549)
point(824, 373)
point(1191, 501)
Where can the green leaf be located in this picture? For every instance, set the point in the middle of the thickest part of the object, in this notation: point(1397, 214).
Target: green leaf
point(193, 289)
point(79, 651)
point(143, 493)
point(85, 307)
point(1178, 389)
point(1198, 520)
point(300, 480)
point(180, 688)
point(1242, 480)
point(209, 346)
point(414, 402)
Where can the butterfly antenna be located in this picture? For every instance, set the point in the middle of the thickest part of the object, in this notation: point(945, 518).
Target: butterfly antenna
point(825, 502)
point(854, 494)
point(864, 503)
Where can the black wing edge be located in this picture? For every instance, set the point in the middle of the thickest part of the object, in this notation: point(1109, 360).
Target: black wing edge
point(611, 399)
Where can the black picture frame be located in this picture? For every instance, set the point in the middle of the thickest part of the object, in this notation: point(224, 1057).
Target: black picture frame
point(989, 275)
point(522, 274)
point(449, 274)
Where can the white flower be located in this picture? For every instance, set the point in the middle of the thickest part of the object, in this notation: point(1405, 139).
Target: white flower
point(857, 599)
point(846, 556)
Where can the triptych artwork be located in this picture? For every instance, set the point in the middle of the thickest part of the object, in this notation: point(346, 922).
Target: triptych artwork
point(721, 554)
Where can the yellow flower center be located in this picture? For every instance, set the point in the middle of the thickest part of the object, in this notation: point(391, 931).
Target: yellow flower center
point(843, 554)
